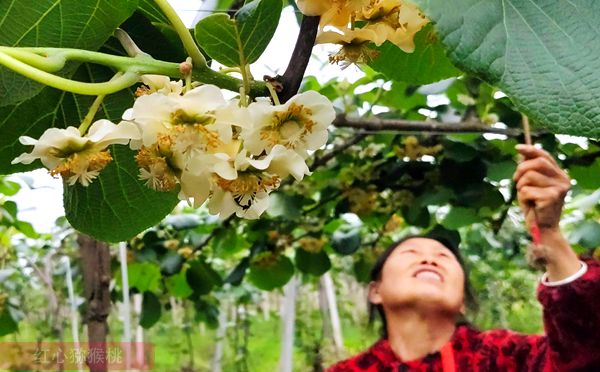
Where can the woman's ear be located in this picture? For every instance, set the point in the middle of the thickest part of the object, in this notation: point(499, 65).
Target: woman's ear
point(374, 296)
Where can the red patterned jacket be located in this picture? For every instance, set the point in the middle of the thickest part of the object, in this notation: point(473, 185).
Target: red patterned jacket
point(571, 343)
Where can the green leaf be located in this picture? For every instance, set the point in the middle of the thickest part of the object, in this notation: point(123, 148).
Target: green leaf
point(459, 217)
point(587, 234)
point(459, 151)
point(586, 177)
point(9, 188)
point(438, 196)
point(11, 209)
point(152, 11)
point(178, 286)
point(427, 64)
point(537, 52)
point(273, 276)
point(362, 269)
point(151, 310)
point(27, 229)
point(500, 170)
point(202, 278)
point(312, 263)
point(114, 207)
point(416, 215)
point(287, 206)
point(145, 276)
point(236, 276)
point(243, 39)
point(154, 37)
point(346, 242)
point(55, 23)
point(8, 325)
point(227, 242)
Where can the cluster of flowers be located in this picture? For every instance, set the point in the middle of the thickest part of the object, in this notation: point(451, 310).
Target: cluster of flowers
point(210, 147)
point(356, 23)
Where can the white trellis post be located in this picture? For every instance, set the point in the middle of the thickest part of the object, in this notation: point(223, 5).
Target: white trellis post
point(288, 318)
point(220, 338)
point(73, 310)
point(334, 315)
point(126, 308)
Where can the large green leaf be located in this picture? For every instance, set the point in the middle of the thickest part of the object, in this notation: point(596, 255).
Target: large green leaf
point(115, 207)
point(8, 324)
point(201, 277)
point(178, 286)
point(243, 39)
point(83, 24)
point(587, 234)
point(315, 263)
point(145, 276)
point(274, 275)
point(586, 176)
point(151, 310)
point(459, 217)
point(541, 53)
point(427, 64)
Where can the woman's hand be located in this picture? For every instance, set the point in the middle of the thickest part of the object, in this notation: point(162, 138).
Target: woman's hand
point(541, 189)
point(541, 185)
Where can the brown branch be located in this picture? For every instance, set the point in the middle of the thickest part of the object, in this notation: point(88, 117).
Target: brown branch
point(289, 83)
point(377, 124)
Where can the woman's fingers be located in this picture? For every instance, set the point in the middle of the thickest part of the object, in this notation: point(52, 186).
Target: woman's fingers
point(539, 196)
point(531, 152)
point(537, 179)
point(540, 165)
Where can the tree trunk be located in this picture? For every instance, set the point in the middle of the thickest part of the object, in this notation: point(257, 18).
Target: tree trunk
point(288, 317)
point(95, 267)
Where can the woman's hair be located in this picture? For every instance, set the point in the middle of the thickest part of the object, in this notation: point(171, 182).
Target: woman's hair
point(449, 243)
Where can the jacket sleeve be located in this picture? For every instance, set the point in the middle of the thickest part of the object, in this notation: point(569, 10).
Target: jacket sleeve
point(572, 339)
point(572, 321)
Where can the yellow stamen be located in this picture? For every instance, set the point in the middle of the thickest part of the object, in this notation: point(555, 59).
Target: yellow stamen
point(289, 127)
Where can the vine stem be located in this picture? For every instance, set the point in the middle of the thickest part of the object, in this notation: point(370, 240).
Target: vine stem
point(93, 89)
point(54, 59)
point(183, 32)
point(89, 117)
point(274, 95)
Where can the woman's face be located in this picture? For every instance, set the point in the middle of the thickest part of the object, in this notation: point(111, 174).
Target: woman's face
point(420, 273)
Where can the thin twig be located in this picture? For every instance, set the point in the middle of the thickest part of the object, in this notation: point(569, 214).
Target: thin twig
point(399, 125)
point(526, 130)
point(319, 162)
point(226, 222)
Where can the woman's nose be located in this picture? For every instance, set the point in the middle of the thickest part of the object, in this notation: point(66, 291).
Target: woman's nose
point(429, 261)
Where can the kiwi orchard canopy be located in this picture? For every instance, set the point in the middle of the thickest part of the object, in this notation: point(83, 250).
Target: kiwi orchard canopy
point(160, 128)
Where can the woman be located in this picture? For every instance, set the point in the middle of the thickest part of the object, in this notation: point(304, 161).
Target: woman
point(419, 287)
